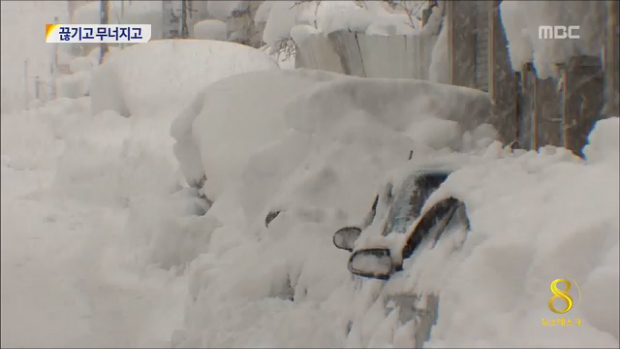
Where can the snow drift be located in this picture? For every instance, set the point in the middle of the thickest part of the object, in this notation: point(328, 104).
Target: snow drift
point(308, 102)
point(286, 285)
point(256, 119)
point(160, 76)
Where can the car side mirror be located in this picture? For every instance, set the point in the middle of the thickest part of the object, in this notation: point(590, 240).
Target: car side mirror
point(345, 238)
point(375, 263)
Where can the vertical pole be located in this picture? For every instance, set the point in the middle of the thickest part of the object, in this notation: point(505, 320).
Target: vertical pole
point(36, 87)
point(170, 20)
point(26, 84)
point(184, 33)
point(103, 48)
point(122, 20)
point(611, 59)
point(54, 68)
point(449, 23)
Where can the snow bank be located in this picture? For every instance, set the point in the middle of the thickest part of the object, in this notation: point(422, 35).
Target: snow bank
point(521, 21)
point(163, 76)
point(395, 104)
point(73, 86)
point(603, 141)
point(308, 107)
point(211, 29)
point(516, 248)
point(253, 121)
point(275, 286)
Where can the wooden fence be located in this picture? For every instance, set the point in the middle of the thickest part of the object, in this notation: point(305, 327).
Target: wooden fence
point(372, 56)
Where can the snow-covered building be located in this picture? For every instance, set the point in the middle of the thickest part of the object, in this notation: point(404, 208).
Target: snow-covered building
point(544, 91)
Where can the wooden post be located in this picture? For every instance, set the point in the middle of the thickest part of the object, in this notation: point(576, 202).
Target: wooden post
point(583, 98)
point(526, 107)
point(103, 48)
point(170, 20)
point(462, 42)
point(547, 115)
point(611, 60)
point(503, 81)
point(184, 28)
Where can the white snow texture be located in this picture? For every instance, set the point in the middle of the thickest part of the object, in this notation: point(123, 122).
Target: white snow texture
point(104, 244)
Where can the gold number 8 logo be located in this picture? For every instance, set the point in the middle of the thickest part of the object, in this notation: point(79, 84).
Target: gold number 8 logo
point(563, 294)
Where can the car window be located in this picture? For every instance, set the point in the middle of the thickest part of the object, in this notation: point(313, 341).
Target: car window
point(410, 198)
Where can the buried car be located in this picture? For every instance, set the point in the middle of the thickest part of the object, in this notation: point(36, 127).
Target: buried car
point(422, 223)
point(408, 214)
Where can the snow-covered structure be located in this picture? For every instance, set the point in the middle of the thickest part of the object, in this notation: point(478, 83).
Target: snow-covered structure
point(562, 86)
point(543, 91)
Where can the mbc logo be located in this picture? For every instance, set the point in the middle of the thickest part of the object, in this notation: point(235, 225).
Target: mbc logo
point(558, 32)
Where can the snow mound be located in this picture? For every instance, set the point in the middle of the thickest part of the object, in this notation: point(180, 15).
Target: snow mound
point(393, 103)
point(73, 86)
point(82, 64)
point(603, 141)
point(308, 102)
point(162, 76)
point(292, 279)
point(211, 29)
point(254, 120)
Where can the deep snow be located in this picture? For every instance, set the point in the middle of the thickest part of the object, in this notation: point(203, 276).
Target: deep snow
point(102, 245)
point(99, 248)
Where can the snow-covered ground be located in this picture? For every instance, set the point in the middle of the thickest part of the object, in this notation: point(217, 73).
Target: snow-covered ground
point(104, 245)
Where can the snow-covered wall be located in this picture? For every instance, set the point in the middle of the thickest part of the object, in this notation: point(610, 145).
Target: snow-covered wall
point(521, 20)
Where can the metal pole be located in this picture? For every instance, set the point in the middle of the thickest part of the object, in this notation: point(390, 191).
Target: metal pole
point(103, 48)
